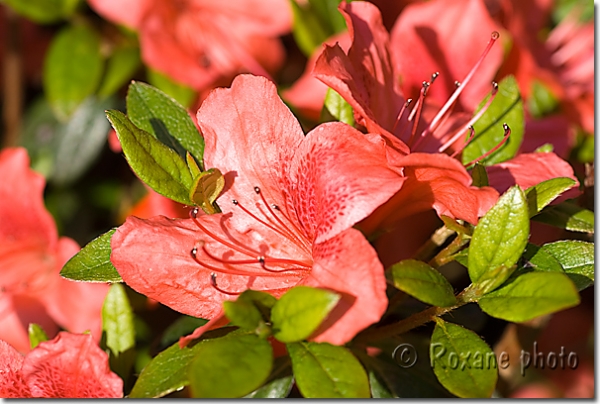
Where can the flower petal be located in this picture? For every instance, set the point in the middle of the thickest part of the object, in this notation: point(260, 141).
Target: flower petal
point(153, 257)
point(348, 264)
point(70, 366)
point(427, 38)
point(529, 169)
point(126, 12)
point(338, 177)
point(11, 382)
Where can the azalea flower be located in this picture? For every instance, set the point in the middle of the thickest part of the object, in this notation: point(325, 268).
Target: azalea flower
point(366, 79)
point(289, 205)
point(31, 257)
point(196, 42)
point(69, 366)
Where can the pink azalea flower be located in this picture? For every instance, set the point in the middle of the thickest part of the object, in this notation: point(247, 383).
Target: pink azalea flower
point(366, 78)
point(69, 366)
point(31, 256)
point(197, 42)
point(289, 203)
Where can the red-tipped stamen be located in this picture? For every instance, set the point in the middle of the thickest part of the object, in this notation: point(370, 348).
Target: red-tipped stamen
point(434, 123)
point(213, 283)
point(401, 114)
point(493, 150)
point(469, 138)
point(415, 115)
point(472, 121)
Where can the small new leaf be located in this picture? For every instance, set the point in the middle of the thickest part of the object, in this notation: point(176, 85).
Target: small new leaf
point(92, 262)
point(206, 188)
point(36, 335)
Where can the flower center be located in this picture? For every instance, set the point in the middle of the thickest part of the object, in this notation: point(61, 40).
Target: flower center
point(249, 261)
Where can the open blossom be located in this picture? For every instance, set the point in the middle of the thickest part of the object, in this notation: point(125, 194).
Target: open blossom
point(367, 78)
point(69, 366)
point(197, 42)
point(289, 203)
point(31, 257)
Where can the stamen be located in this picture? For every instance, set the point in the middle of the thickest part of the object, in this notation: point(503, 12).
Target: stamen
point(213, 283)
point(472, 121)
point(194, 213)
point(506, 136)
point(471, 136)
point(416, 112)
point(434, 123)
point(401, 114)
point(457, 83)
point(434, 76)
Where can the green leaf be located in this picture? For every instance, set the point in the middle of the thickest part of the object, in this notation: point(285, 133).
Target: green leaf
point(181, 93)
point(206, 189)
point(243, 314)
point(338, 107)
point(541, 260)
point(567, 216)
point(540, 195)
point(300, 311)
point(119, 330)
point(230, 367)
point(507, 108)
point(378, 388)
point(422, 282)
point(72, 69)
point(545, 148)
point(327, 371)
point(122, 64)
point(36, 335)
point(160, 115)
point(531, 295)
point(92, 263)
point(499, 239)
point(479, 175)
point(308, 30)
point(166, 373)
point(44, 11)
point(586, 150)
point(158, 166)
point(576, 258)
point(462, 361)
point(280, 382)
point(542, 101)
point(329, 15)
point(184, 325)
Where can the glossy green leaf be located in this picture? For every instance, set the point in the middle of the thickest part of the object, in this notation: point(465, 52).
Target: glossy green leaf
point(540, 260)
point(479, 175)
point(43, 11)
point(327, 371)
point(167, 372)
point(119, 330)
point(338, 107)
point(422, 282)
point(72, 69)
point(122, 65)
point(500, 237)
point(539, 196)
point(230, 367)
point(567, 216)
point(181, 93)
point(160, 115)
point(157, 165)
point(251, 311)
point(576, 258)
point(300, 311)
point(92, 262)
point(308, 30)
point(206, 189)
point(531, 295)
point(36, 335)
point(507, 108)
point(462, 361)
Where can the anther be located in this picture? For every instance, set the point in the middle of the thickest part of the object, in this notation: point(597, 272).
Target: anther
point(213, 283)
point(194, 252)
point(261, 261)
point(194, 213)
point(275, 207)
point(434, 76)
point(495, 35)
point(456, 83)
point(257, 190)
point(494, 88)
point(493, 150)
point(234, 201)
